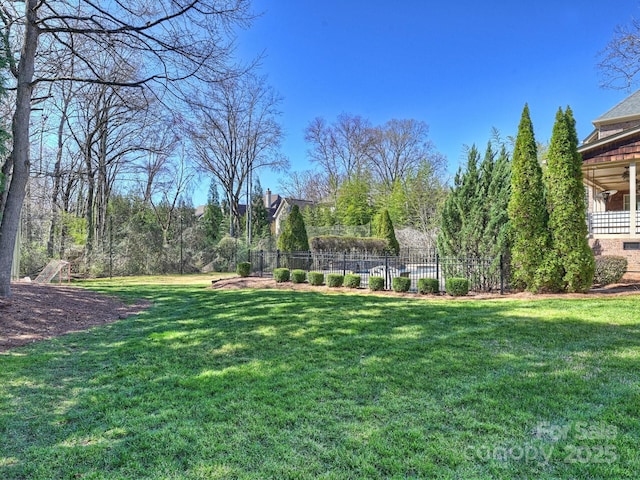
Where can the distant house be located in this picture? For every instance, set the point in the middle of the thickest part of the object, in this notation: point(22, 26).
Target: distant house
point(277, 206)
point(610, 157)
point(283, 210)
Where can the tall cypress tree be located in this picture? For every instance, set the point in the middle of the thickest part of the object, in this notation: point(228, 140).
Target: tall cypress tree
point(294, 234)
point(527, 212)
point(566, 206)
point(384, 229)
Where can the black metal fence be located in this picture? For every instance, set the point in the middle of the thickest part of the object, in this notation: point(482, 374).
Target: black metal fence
point(484, 274)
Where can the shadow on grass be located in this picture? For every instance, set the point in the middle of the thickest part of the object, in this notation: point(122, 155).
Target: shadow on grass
point(274, 384)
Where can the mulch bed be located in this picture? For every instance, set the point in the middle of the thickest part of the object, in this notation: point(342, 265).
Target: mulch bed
point(37, 312)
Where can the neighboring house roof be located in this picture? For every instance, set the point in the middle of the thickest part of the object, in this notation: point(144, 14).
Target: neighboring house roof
point(199, 211)
point(627, 109)
point(287, 203)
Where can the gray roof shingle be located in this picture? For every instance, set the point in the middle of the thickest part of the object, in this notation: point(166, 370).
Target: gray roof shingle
point(627, 108)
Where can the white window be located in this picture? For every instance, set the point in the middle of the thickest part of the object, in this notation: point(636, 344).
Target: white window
point(626, 202)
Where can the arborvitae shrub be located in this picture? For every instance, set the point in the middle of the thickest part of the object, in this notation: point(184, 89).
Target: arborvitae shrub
point(281, 275)
point(456, 287)
point(609, 269)
point(376, 283)
point(243, 269)
point(401, 284)
point(335, 280)
point(352, 280)
point(316, 278)
point(428, 285)
point(298, 276)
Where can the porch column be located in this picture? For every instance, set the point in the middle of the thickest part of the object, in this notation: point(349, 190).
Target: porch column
point(632, 199)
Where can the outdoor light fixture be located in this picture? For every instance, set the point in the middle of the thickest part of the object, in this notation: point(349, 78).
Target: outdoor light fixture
point(607, 194)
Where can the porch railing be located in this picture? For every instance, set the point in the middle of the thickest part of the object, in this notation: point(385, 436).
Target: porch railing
point(604, 223)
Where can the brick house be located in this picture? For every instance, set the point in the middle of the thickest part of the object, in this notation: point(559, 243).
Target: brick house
point(610, 165)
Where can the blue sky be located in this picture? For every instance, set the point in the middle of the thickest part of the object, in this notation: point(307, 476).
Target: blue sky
point(461, 66)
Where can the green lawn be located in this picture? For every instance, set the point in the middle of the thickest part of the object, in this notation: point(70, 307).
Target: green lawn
point(282, 384)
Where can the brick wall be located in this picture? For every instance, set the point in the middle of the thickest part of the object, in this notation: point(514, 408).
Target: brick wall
point(611, 246)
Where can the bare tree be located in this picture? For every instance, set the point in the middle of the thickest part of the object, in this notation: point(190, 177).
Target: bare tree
point(342, 150)
point(235, 133)
point(399, 147)
point(620, 60)
point(176, 39)
point(307, 184)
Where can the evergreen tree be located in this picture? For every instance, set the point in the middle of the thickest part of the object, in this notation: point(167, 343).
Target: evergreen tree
point(294, 234)
point(528, 214)
point(455, 229)
point(352, 205)
point(496, 236)
point(474, 216)
point(213, 216)
point(259, 213)
point(566, 206)
point(384, 229)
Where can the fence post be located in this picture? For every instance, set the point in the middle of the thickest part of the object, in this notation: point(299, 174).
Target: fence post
point(386, 270)
point(277, 258)
point(261, 262)
point(309, 261)
point(438, 267)
point(501, 275)
point(344, 264)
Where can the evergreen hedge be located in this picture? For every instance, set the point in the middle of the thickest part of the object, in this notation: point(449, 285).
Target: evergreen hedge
point(400, 284)
point(331, 243)
point(376, 283)
point(281, 275)
point(335, 280)
point(428, 285)
point(352, 280)
point(456, 287)
point(298, 276)
point(316, 278)
point(243, 269)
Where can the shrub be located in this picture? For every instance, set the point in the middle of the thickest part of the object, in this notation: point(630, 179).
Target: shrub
point(335, 280)
point(316, 278)
point(457, 287)
point(243, 269)
point(376, 283)
point(428, 285)
point(298, 276)
point(609, 269)
point(400, 284)
point(281, 275)
point(351, 280)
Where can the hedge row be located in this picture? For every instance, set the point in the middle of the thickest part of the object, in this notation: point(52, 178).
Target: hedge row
point(348, 244)
point(453, 286)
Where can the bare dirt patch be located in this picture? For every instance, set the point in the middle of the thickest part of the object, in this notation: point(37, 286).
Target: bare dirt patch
point(36, 312)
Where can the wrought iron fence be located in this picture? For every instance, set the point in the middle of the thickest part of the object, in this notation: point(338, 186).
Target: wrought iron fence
point(484, 274)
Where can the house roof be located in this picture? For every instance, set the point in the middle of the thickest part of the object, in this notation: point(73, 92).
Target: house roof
point(627, 109)
point(290, 202)
point(597, 144)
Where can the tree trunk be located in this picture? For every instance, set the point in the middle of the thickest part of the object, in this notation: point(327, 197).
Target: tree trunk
point(20, 153)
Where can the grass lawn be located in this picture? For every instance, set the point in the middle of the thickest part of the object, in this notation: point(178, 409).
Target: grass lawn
point(282, 384)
